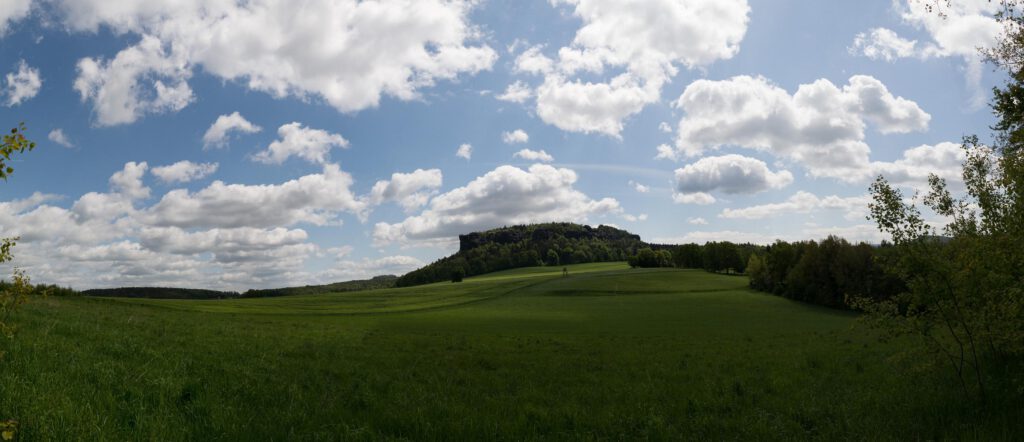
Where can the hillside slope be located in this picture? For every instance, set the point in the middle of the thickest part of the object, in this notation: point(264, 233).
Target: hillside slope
point(549, 244)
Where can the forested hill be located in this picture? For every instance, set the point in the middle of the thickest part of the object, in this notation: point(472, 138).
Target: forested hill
point(529, 245)
point(377, 282)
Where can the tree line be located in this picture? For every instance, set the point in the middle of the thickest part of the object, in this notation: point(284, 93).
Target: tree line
point(831, 273)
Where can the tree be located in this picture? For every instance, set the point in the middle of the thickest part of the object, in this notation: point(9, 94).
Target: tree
point(458, 274)
point(12, 143)
point(689, 256)
point(16, 293)
point(664, 258)
point(552, 258)
point(646, 257)
point(965, 289)
point(758, 273)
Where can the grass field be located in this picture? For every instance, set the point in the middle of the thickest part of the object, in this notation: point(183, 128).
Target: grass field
point(606, 353)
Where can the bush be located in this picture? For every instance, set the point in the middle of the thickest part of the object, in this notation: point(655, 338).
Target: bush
point(458, 274)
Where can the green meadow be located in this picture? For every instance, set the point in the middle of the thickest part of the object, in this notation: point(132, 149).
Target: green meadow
point(607, 352)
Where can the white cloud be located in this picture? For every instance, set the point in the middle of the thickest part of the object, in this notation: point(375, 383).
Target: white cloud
point(223, 236)
point(731, 174)
point(465, 151)
point(665, 127)
point(534, 155)
point(944, 159)
point(410, 190)
point(533, 61)
point(184, 171)
point(312, 145)
point(58, 136)
point(666, 152)
point(12, 11)
point(128, 181)
point(219, 132)
point(698, 221)
point(639, 187)
point(699, 198)
point(957, 29)
point(820, 126)
point(226, 245)
point(345, 52)
point(23, 84)
point(516, 136)
point(368, 268)
point(114, 86)
point(517, 92)
point(316, 199)
point(587, 107)
point(882, 44)
point(504, 196)
point(634, 218)
point(855, 233)
point(641, 43)
point(804, 202)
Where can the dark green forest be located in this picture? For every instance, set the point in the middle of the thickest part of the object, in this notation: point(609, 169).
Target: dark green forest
point(377, 282)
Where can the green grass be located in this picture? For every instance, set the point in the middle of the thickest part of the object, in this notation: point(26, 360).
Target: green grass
point(606, 353)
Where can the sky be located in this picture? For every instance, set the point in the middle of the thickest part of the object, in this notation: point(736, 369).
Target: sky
point(264, 143)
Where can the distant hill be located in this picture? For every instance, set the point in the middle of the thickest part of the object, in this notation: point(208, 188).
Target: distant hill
point(377, 282)
point(529, 245)
point(159, 293)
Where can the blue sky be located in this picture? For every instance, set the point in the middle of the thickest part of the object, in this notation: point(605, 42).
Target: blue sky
point(339, 125)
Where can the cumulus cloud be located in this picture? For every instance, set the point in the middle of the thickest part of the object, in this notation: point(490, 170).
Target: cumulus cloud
point(184, 171)
point(858, 232)
point(517, 92)
point(944, 159)
point(956, 29)
point(534, 155)
point(143, 79)
point(821, 126)
point(883, 44)
point(698, 221)
point(128, 181)
point(410, 190)
point(23, 84)
point(227, 245)
point(58, 136)
point(587, 107)
point(223, 236)
point(315, 199)
point(639, 187)
point(516, 136)
point(637, 48)
point(220, 131)
point(465, 151)
point(634, 218)
point(346, 53)
point(504, 196)
point(12, 11)
point(312, 145)
point(368, 268)
point(731, 174)
point(804, 202)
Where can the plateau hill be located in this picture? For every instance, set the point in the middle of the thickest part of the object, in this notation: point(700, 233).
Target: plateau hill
point(549, 244)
